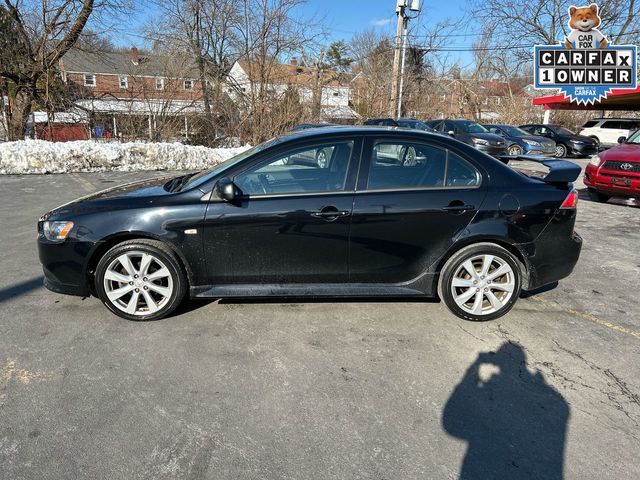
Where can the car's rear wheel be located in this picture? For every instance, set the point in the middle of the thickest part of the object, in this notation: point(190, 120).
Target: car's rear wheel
point(515, 149)
point(597, 196)
point(140, 280)
point(561, 150)
point(480, 282)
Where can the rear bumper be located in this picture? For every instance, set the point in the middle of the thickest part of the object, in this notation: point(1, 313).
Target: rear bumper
point(615, 185)
point(554, 254)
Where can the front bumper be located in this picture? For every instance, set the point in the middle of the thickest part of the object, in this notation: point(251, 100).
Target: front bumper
point(541, 151)
point(582, 148)
point(63, 266)
point(492, 150)
point(612, 184)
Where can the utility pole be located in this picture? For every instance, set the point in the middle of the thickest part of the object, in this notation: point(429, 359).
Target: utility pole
point(397, 81)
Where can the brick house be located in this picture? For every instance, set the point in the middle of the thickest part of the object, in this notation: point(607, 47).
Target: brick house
point(133, 95)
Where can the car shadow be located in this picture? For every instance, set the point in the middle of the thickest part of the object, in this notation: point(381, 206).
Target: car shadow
point(20, 288)
point(513, 421)
point(289, 300)
point(583, 195)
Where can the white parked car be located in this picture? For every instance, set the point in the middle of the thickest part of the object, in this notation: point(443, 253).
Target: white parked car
point(607, 131)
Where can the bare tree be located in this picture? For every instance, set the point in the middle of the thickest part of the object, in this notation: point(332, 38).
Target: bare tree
point(517, 26)
point(34, 35)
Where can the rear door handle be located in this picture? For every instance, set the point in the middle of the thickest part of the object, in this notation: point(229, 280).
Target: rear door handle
point(458, 208)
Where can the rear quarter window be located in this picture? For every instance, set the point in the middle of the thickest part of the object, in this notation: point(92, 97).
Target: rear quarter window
point(590, 123)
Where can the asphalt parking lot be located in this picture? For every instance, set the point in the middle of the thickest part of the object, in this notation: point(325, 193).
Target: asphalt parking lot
point(310, 390)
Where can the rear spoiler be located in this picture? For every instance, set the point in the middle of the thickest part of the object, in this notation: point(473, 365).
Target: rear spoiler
point(560, 171)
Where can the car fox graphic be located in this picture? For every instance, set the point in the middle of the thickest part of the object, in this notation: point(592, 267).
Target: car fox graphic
point(584, 34)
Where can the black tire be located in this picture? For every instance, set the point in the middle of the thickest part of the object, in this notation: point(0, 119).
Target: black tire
point(455, 264)
point(515, 149)
point(159, 251)
point(598, 196)
point(561, 150)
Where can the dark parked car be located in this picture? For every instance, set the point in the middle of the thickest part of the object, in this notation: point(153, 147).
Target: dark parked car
point(415, 124)
point(518, 141)
point(381, 122)
point(567, 142)
point(473, 134)
point(453, 222)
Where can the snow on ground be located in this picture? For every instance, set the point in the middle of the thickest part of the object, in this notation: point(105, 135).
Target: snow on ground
point(40, 156)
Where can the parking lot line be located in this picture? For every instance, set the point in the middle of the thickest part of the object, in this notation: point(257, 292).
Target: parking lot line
point(86, 185)
point(590, 317)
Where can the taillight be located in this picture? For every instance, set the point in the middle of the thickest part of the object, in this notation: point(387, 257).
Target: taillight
point(571, 201)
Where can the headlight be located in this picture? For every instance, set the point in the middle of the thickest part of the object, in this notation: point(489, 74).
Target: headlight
point(56, 231)
point(479, 141)
point(596, 161)
point(533, 143)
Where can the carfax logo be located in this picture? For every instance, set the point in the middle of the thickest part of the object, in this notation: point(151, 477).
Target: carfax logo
point(585, 67)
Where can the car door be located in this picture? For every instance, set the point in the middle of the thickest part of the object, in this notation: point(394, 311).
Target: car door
point(290, 223)
point(407, 213)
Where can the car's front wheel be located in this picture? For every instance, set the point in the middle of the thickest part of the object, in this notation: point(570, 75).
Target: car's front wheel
point(515, 149)
point(140, 280)
point(480, 282)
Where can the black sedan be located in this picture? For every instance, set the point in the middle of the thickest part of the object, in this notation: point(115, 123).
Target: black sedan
point(451, 222)
point(567, 142)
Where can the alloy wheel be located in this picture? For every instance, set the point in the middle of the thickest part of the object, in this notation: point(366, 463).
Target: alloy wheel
point(483, 284)
point(321, 159)
point(138, 283)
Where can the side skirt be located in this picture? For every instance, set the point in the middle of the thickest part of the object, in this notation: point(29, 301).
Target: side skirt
point(307, 290)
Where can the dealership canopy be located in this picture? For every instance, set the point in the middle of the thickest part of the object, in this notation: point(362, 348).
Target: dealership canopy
point(618, 99)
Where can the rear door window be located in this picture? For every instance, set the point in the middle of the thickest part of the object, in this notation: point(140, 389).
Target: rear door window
point(409, 165)
point(614, 125)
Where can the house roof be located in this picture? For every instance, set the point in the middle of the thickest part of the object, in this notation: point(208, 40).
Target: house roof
point(120, 63)
point(286, 73)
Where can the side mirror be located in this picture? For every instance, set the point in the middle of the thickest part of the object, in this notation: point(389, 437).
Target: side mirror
point(226, 189)
point(622, 139)
point(451, 133)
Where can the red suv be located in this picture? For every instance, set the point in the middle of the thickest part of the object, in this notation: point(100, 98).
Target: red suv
point(615, 172)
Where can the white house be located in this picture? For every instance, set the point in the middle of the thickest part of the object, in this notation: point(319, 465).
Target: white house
point(279, 77)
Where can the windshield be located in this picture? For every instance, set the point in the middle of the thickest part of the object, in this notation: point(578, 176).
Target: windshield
point(205, 175)
point(514, 131)
point(472, 127)
point(635, 138)
point(566, 131)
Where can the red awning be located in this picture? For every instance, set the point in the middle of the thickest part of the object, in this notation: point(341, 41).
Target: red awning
point(616, 100)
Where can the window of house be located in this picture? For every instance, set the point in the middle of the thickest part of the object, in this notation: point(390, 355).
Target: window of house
point(498, 100)
point(89, 80)
point(123, 81)
point(159, 83)
point(336, 94)
point(188, 84)
point(485, 101)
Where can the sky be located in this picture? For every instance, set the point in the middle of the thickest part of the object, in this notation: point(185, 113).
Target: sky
point(343, 19)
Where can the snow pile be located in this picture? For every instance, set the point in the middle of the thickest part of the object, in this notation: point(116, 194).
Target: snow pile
point(40, 156)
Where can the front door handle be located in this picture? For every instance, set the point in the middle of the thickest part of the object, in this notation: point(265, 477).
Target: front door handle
point(330, 213)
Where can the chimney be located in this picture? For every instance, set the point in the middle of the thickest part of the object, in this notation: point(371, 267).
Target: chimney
point(294, 61)
point(134, 56)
